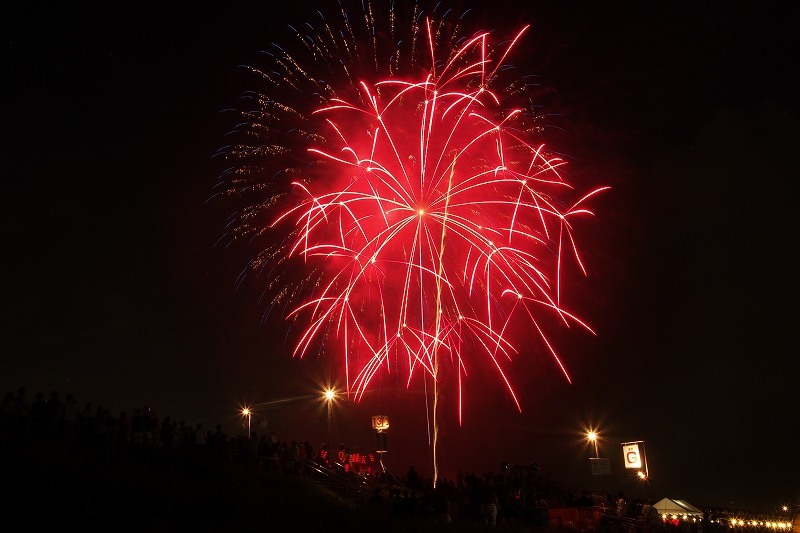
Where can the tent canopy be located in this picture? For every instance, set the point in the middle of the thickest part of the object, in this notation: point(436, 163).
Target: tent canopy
point(680, 507)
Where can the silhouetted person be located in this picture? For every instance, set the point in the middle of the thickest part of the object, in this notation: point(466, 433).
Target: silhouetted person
point(7, 410)
point(123, 429)
point(584, 500)
point(167, 433)
point(376, 500)
point(70, 410)
point(622, 505)
point(441, 501)
point(150, 427)
point(37, 414)
point(53, 414)
point(651, 518)
point(86, 422)
point(489, 503)
point(102, 425)
point(184, 435)
point(21, 408)
point(219, 440)
point(199, 437)
point(413, 481)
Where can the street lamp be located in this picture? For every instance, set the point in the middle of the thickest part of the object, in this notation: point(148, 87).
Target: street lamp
point(591, 436)
point(600, 467)
point(329, 395)
point(249, 414)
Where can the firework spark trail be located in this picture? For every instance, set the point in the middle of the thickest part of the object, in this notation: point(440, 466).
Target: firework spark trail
point(430, 216)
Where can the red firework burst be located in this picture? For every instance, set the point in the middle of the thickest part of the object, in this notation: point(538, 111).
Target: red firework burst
point(429, 217)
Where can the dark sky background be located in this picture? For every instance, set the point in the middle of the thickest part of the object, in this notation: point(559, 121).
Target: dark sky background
point(115, 292)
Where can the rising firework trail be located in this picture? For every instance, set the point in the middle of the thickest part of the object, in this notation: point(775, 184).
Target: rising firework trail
point(406, 209)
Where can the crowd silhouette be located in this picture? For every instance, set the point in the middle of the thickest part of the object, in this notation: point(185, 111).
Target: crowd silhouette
point(515, 494)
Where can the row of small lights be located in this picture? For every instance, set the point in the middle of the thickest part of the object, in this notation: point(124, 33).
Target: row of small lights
point(735, 522)
point(762, 523)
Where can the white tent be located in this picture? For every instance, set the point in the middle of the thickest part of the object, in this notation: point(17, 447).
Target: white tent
point(668, 506)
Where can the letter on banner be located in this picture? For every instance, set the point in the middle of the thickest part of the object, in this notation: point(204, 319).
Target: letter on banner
point(632, 457)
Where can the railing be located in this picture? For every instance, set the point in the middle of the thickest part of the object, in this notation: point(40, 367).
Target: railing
point(346, 484)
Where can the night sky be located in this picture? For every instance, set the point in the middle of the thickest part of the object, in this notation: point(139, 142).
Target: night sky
point(116, 292)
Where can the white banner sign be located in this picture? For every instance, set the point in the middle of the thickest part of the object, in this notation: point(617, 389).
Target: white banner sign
point(633, 459)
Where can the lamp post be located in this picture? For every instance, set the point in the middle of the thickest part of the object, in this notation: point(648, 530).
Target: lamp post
point(249, 414)
point(591, 436)
point(600, 467)
point(329, 395)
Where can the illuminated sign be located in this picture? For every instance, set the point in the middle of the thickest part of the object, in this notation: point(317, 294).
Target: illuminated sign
point(632, 457)
point(380, 422)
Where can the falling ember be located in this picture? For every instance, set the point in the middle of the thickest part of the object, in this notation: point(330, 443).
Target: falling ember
point(415, 193)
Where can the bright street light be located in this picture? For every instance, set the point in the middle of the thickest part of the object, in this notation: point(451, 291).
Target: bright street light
point(329, 395)
point(591, 436)
point(249, 414)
